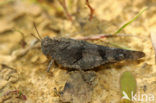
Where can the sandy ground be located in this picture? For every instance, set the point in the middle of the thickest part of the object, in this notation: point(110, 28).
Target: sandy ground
point(23, 67)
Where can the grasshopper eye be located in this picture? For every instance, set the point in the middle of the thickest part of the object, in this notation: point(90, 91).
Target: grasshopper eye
point(44, 43)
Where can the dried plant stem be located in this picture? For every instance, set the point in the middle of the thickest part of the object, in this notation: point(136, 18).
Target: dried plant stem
point(63, 4)
point(100, 36)
point(91, 9)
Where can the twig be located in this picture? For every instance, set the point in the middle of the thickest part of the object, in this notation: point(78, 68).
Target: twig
point(22, 42)
point(91, 9)
point(18, 93)
point(63, 4)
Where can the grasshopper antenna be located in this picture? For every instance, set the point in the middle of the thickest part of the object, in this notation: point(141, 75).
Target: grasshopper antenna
point(39, 36)
point(35, 37)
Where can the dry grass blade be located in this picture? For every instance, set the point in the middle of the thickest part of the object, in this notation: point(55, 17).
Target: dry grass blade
point(153, 39)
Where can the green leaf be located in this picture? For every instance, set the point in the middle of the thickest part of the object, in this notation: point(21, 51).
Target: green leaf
point(128, 85)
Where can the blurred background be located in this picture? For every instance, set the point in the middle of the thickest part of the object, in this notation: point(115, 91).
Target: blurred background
point(23, 76)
